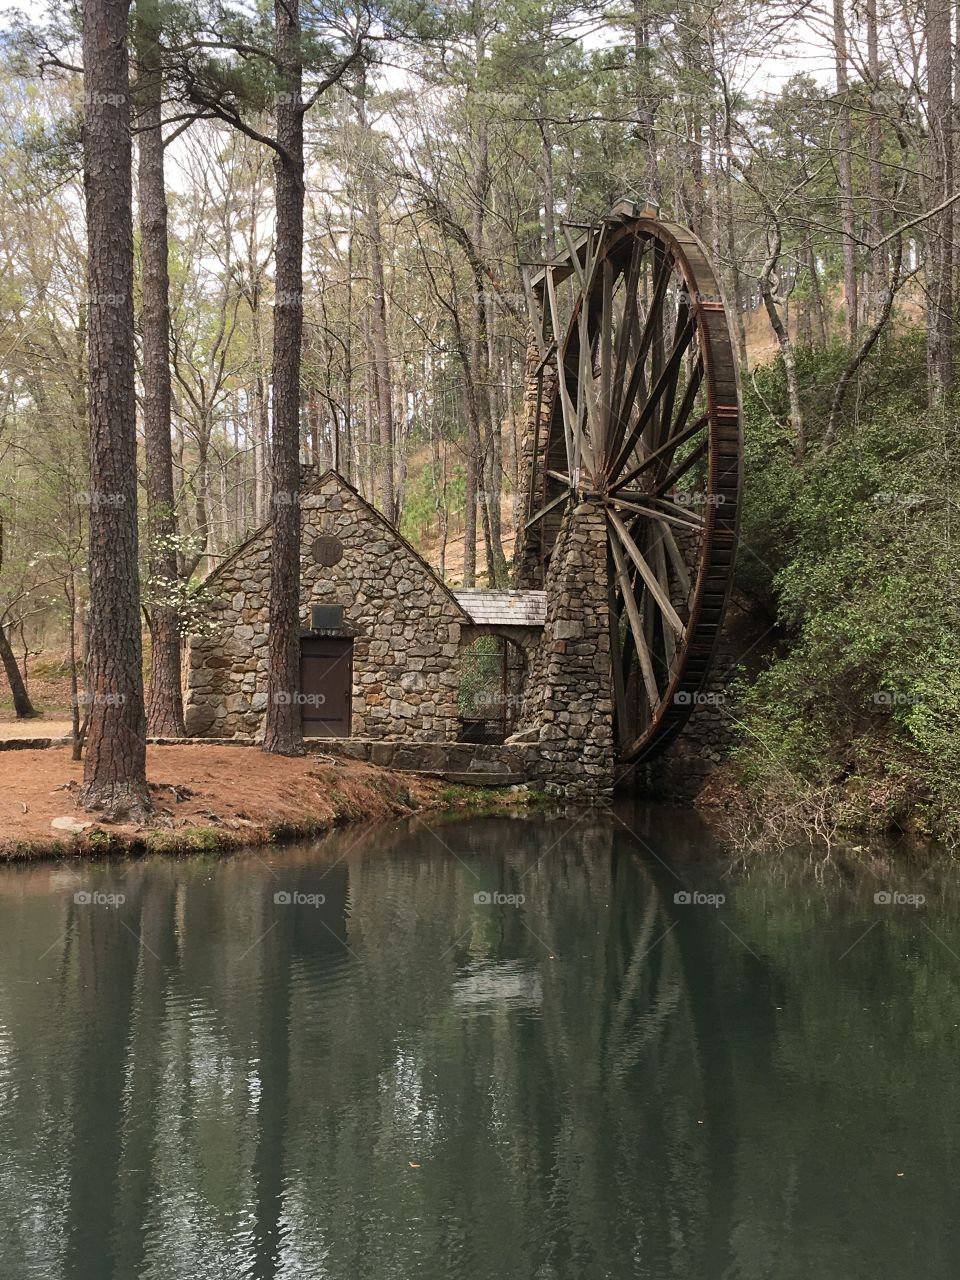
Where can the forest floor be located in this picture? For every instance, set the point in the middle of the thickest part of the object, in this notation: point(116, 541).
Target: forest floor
point(208, 798)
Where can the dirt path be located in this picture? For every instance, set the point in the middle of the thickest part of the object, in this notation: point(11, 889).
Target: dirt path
point(38, 727)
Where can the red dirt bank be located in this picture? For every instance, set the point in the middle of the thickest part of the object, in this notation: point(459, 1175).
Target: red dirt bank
point(204, 798)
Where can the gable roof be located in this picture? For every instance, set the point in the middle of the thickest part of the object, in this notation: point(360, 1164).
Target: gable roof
point(311, 484)
point(503, 608)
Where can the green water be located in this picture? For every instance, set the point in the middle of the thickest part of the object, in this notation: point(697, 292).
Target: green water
point(388, 1078)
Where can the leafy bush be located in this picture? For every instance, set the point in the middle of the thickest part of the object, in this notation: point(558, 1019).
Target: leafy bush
point(856, 551)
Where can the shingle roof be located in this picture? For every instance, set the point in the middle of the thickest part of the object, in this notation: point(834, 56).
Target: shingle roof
point(504, 608)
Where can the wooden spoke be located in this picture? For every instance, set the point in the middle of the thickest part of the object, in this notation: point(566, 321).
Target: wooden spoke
point(694, 456)
point(606, 354)
point(689, 400)
point(647, 574)
point(660, 569)
point(637, 381)
point(636, 626)
point(655, 512)
point(551, 506)
point(658, 388)
point(622, 716)
point(677, 561)
point(630, 321)
point(664, 414)
point(667, 449)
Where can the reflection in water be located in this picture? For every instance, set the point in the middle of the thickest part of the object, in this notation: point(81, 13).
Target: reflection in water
point(489, 1048)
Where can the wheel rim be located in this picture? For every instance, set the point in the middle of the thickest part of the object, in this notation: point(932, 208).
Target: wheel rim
point(645, 420)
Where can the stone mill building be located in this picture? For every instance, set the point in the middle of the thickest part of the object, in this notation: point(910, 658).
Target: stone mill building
point(385, 645)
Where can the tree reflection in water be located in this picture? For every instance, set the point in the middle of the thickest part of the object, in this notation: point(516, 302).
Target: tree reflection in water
point(386, 1077)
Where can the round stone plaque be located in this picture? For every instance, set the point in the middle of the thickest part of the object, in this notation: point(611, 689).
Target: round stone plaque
point(328, 551)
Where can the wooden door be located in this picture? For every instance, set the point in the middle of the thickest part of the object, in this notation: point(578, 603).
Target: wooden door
point(326, 686)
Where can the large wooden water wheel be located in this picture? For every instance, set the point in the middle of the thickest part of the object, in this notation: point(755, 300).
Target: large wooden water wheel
point(638, 410)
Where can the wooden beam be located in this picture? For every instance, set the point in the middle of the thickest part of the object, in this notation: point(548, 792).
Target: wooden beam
point(653, 399)
point(647, 574)
point(670, 445)
point(636, 626)
point(563, 497)
point(639, 509)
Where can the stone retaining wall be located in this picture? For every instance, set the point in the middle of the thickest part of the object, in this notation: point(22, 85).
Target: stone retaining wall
point(480, 764)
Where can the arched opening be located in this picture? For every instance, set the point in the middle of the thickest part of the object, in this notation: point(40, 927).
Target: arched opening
point(491, 680)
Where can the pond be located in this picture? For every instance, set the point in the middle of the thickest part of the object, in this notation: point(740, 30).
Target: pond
point(507, 1048)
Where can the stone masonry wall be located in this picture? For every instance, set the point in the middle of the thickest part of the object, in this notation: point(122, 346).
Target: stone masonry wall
point(406, 624)
point(567, 708)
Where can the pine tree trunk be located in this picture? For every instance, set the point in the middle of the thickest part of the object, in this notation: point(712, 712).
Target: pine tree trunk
point(114, 775)
point(164, 696)
point(283, 734)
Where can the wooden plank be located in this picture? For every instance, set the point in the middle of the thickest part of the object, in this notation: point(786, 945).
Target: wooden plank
point(535, 313)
